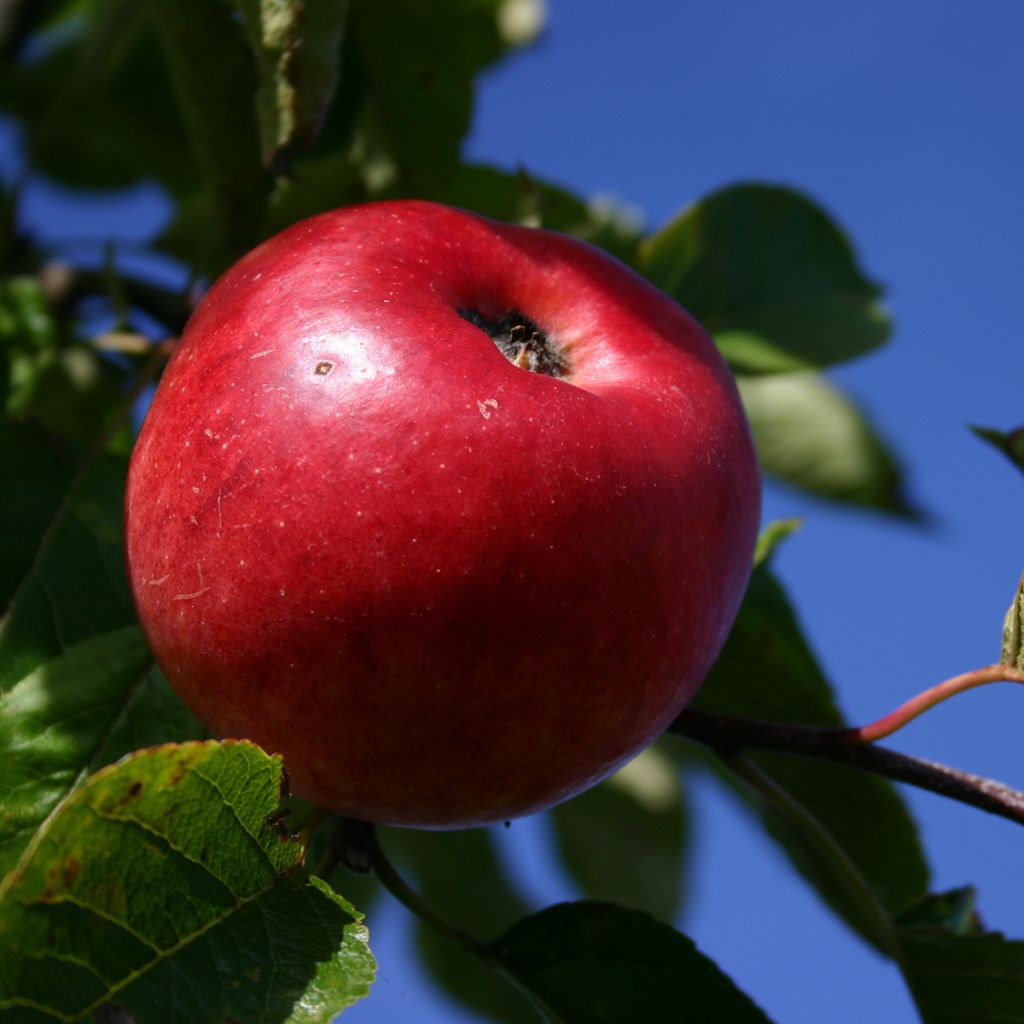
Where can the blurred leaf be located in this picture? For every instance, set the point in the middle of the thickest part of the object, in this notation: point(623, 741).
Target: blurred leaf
point(812, 436)
point(168, 866)
point(522, 198)
point(297, 48)
point(26, 322)
point(596, 963)
point(1010, 443)
point(36, 471)
point(18, 19)
point(1012, 652)
point(460, 876)
point(768, 671)
point(772, 536)
point(97, 106)
point(418, 60)
point(317, 184)
point(771, 277)
point(72, 391)
point(214, 80)
point(953, 910)
point(625, 840)
point(956, 971)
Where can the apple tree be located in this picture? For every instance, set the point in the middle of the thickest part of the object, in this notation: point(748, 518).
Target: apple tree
point(151, 873)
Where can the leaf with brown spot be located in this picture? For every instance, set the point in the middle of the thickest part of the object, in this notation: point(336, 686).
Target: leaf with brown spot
point(114, 899)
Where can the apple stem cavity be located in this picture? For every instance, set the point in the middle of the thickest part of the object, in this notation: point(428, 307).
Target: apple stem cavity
point(520, 341)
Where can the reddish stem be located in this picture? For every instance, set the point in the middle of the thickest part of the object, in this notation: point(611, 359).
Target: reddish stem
point(907, 712)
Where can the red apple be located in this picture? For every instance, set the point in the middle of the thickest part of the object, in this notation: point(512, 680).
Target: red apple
point(454, 515)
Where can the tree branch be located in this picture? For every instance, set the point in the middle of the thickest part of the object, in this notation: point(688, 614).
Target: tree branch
point(728, 735)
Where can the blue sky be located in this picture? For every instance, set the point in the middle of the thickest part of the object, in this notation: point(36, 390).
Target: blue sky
point(904, 119)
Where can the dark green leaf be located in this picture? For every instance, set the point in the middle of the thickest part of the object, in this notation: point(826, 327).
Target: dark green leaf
point(36, 471)
point(76, 677)
point(1012, 652)
point(771, 277)
point(297, 48)
point(418, 60)
point(460, 875)
point(957, 971)
point(169, 865)
point(596, 963)
point(75, 587)
point(625, 840)
point(1010, 443)
point(214, 80)
point(810, 435)
point(768, 671)
point(524, 199)
point(98, 107)
point(953, 910)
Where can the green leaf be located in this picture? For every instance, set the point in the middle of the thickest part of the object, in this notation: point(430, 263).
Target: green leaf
point(54, 724)
point(953, 910)
point(1012, 652)
point(36, 471)
point(418, 60)
point(297, 48)
point(97, 106)
point(71, 390)
point(596, 963)
point(1010, 443)
point(214, 80)
point(767, 671)
point(624, 841)
point(771, 277)
point(810, 435)
point(460, 875)
point(77, 685)
point(957, 971)
point(26, 320)
point(169, 865)
point(75, 587)
point(523, 198)
point(772, 536)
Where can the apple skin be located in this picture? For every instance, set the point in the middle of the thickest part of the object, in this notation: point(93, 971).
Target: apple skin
point(450, 591)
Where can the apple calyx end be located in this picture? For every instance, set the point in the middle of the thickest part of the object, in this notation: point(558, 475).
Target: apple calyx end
point(520, 341)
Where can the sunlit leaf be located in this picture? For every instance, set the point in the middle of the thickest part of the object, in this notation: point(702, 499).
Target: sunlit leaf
point(169, 865)
point(297, 48)
point(771, 276)
point(1012, 652)
point(812, 436)
point(769, 539)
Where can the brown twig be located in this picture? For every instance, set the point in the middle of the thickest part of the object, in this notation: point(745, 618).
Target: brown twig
point(728, 735)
